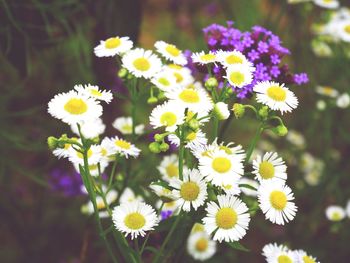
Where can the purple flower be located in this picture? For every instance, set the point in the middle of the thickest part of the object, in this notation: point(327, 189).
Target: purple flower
point(301, 78)
point(166, 214)
point(275, 59)
point(253, 55)
point(263, 47)
point(275, 71)
point(67, 183)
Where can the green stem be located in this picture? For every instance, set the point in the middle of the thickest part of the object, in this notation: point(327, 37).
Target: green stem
point(111, 177)
point(254, 141)
point(181, 158)
point(167, 238)
point(215, 128)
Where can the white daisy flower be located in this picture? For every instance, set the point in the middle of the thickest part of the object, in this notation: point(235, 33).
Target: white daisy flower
point(198, 227)
point(248, 191)
point(221, 168)
point(165, 80)
point(327, 91)
point(196, 100)
point(107, 150)
point(335, 213)
point(162, 191)
point(343, 30)
point(90, 129)
point(73, 108)
point(129, 196)
point(232, 188)
point(228, 220)
point(275, 96)
point(192, 139)
point(124, 147)
point(124, 125)
point(183, 75)
point(113, 46)
point(303, 257)
point(269, 166)
point(65, 151)
point(142, 63)
point(191, 191)
point(330, 4)
point(230, 58)
point(200, 246)
point(94, 92)
point(270, 250)
point(287, 256)
point(239, 75)
point(171, 52)
point(221, 111)
point(275, 200)
point(88, 208)
point(168, 115)
point(94, 155)
point(134, 218)
point(343, 101)
point(169, 168)
point(204, 58)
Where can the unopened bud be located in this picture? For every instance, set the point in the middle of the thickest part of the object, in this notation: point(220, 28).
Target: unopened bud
point(122, 73)
point(154, 147)
point(238, 109)
point(152, 100)
point(211, 83)
point(52, 142)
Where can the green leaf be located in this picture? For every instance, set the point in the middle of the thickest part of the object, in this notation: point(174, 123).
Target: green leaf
point(238, 246)
point(248, 186)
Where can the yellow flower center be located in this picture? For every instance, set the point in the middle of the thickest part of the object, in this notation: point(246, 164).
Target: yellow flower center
point(112, 42)
point(284, 259)
point(347, 29)
point(233, 59)
point(266, 170)
point(179, 77)
point(207, 57)
point(191, 136)
point(95, 92)
point(76, 106)
point(226, 149)
point(336, 216)
point(172, 50)
point(307, 259)
point(135, 220)
point(190, 86)
point(226, 218)
point(227, 186)
point(100, 204)
point(81, 156)
point(328, 91)
point(189, 96)
point(103, 151)
point(168, 119)
point(169, 204)
point(127, 128)
point(172, 170)
point(278, 200)
point(237, 78)
point(67, 146)
point(277, 93)
point(123, 144)
point(221, 164)
point(189, 191)
point(174, 66)
point(198, 228)
point(202, 244)
point(142, 64)
point(164, 81)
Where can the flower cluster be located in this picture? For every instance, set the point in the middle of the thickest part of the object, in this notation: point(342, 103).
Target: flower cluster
point(261, 48)
point(280, 253)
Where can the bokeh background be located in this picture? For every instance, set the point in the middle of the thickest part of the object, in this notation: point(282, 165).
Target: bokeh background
point(47, 47)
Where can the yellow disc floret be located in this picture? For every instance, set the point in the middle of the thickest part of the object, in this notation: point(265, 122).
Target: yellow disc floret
point(172, 170)
point(135, 221)
point(221, 164)
point(112, 42)
point(189, 96)
point(123, 144)
point(76, 106)
point(172, 50)
point(277, 93)
point(202, 244)
point(189, 191)
point(284, 259)
point(168, 119)
point(237, 78)
point(266, 170)
point(226, 218)
point(142, 64)
point(233, 59)
point(278, 200)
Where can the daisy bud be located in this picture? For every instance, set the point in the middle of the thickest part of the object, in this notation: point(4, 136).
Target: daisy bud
point(193, 124)
point(154, 147)
point(159, 137)
point(52, 142)
point(221, 111)
point(263, 112)
point(161, 96)
point(122, 73)
point(211, 83)
point(164, 147)
point(238, 110)
point(152, 100)
point(280, 130)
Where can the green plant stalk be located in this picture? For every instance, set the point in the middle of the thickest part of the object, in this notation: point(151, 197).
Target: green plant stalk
point(181, 158)
point(215, 128)
point(254, 141)
point(167, 238)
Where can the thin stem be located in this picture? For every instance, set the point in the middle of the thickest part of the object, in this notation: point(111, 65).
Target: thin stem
point(111, 177)
point(181, 156)
point(225, 126)
point(215, 128)
point(167, 238)
point(254, 141)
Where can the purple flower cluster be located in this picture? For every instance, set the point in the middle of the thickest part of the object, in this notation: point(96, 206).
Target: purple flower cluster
point(69, 184)
point(166, 214)
point(261, 47)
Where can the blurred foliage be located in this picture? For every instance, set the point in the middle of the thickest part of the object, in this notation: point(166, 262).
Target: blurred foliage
point(46, 48)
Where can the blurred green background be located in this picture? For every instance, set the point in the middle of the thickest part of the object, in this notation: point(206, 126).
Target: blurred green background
point(47, 47)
